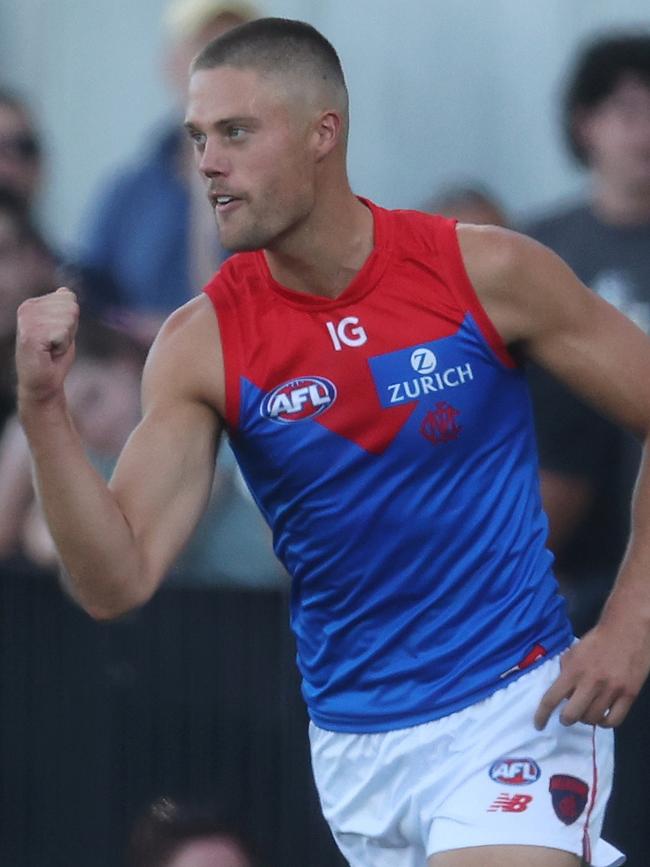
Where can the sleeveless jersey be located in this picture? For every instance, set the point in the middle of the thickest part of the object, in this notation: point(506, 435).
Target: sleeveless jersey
point(387, 438)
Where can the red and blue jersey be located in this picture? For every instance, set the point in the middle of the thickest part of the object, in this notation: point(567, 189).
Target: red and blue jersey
point(387, 437)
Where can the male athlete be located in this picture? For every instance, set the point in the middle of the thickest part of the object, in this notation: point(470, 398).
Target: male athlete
point(367, 366)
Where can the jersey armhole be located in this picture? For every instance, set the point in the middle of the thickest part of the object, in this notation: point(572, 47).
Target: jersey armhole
point(465, 293)
point(229, 350)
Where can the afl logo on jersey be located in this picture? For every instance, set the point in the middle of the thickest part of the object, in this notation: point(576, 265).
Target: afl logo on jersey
point(515, 772)
point(298, 399)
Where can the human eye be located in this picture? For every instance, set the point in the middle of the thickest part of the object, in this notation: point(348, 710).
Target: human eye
point(236, 133)
point(197, 138)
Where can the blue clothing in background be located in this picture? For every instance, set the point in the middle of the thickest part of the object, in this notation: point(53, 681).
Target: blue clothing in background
point(138, 233)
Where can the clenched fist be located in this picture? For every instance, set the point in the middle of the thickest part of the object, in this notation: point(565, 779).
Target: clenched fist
point(45, 343)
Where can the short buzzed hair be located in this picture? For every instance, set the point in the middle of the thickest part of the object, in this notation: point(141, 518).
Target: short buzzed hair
point(275, 45)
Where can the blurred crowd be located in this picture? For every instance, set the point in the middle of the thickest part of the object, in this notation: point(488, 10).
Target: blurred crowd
point(151, 244)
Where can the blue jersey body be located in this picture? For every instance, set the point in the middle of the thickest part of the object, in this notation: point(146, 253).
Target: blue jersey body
point(387, 437)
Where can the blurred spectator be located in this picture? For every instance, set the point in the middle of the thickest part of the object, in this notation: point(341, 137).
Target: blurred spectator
point(21, 178)
point(27, 268)
point(153, 235)
point(174, 835)
point(471, 203)
point(588, 465)
point(20, 151)
point(152, 232)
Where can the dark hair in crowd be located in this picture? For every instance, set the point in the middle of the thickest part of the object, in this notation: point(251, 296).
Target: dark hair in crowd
point(14, 207)
point(101, 341)
point(454, 195)
point(597, 73)
point(168, 825)
point(274, 45)
point(27, 235)
point(30, 140)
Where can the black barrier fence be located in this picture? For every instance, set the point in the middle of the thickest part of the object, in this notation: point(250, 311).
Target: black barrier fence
point(194, 696)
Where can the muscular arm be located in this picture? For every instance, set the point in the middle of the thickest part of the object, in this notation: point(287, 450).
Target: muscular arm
point(537, 303)
point(116, 541)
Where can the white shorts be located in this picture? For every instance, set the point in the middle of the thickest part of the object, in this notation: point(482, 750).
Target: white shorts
point(481, 776)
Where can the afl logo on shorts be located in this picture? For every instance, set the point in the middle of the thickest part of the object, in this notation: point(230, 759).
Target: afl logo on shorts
point(515, 772)
point(298, 399)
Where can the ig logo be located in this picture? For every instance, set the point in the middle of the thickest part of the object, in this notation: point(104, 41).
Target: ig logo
point(423, 360)
point(347, 331)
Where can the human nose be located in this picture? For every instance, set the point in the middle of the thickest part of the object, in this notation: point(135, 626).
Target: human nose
point(213, 161)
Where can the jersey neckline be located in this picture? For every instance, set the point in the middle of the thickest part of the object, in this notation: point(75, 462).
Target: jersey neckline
point(364, 281)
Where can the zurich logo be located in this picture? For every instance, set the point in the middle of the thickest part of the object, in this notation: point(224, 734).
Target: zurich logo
point(515, 771)
point(298, 399)
point(423, 360)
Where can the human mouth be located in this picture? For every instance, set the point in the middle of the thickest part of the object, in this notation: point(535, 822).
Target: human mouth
point(222, 202)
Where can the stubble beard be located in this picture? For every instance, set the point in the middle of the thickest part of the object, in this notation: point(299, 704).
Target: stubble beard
point(243, 237)
point(244, 241)
point(256, 235)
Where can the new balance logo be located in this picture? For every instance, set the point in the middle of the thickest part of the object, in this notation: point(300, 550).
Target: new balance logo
point(510, 803)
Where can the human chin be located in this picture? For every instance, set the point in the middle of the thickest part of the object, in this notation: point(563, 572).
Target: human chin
point(241, 241)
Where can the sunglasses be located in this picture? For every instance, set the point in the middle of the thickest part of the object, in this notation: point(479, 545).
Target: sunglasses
point(24, 146)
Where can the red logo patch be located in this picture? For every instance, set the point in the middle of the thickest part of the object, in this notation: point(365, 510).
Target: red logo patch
point(569, 796)
point(439, 424)
point(510, 803)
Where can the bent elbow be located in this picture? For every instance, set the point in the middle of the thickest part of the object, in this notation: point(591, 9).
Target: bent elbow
point(106, 613)
point(106, 610)
point(113, 609)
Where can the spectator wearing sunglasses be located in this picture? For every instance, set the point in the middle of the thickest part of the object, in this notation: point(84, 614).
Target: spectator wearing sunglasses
point(20, 150)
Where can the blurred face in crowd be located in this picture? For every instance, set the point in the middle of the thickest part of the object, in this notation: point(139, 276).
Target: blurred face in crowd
point(185, 50)
point(480, 212)
point(25, 270)
point(211, 852)
point(252, 145)
point(104, 399)
point(20, 164)
point(616, 135)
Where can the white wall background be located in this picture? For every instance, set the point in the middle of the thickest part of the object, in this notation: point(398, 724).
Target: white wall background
point(441, 90)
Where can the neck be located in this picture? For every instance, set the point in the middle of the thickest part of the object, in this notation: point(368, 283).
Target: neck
point(621, 205)
point(324, 254)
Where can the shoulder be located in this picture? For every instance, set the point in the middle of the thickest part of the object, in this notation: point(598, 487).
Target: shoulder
point(193, 320)
point(522, 284)
point(185, 359)
point(493, 255)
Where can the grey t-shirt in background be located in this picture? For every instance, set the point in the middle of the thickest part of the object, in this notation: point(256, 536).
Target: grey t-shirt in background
point(573, 438)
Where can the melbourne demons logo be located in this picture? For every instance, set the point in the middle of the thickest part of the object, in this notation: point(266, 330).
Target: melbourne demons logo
point(298, 399)
point(569, 796)
point(439, 424)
